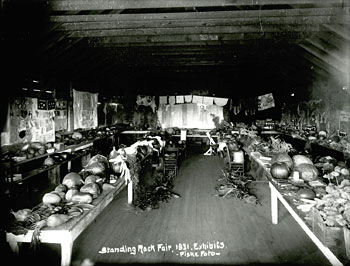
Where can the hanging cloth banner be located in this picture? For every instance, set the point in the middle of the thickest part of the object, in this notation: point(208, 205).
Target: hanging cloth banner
point(180, 99)
point(197, 99)
point(208, 100)
point(172, 100)
point(220, 101)
point(188, 98)
point(266, 101)
point(163, 100)
point(85, 109)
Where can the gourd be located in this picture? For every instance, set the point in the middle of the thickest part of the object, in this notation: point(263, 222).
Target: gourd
point(282, 157)
point(70, 193)
point(72, 179)
point(279, 170)
point(51, 198)
point(61, 188)
point(91, 188)
point(301, 159)
point(91, 179)
point(57, 219)
point(307, 172)
point(82, 197)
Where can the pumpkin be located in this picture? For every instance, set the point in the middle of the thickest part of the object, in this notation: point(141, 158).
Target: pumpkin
point(91, 179)
point(282, 157)
point(49, 161)
point(82, 197)
point(306, 193)
point(301, 159)
point(279, 170)
point(77, 136)
point(307, 172)
point(72, 179)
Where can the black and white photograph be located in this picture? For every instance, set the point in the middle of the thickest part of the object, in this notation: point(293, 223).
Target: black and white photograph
point(175, 132)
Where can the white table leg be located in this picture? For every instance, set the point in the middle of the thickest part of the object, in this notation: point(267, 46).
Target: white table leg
point(274, 206)
point(130, 192)
point(66, 253)
point(14, 245)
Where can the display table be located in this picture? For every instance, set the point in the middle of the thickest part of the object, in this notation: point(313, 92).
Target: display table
point(276, 195)
point(66, 234)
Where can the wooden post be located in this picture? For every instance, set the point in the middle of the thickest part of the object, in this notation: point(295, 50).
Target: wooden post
point(70, 107)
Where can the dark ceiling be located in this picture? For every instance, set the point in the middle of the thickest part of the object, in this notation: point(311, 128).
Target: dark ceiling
point(165, 46)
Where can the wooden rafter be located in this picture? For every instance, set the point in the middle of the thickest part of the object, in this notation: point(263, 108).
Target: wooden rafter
point(64, 5)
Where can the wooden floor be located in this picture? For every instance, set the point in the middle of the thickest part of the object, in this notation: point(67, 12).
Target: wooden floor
point(243, 234)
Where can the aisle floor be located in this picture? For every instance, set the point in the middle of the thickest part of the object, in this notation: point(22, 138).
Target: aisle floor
point(218, 230)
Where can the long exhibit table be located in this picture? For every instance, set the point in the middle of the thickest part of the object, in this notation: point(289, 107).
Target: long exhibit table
point(65, 234)
point(276, 195)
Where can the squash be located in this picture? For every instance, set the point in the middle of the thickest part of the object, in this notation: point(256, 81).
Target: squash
point(61, 188)
point(82, 197)
point(319, 192)
point(51, 198)
point(307, 172)
point(282, 157)
point(57, 219)
point(91, 188)
point(77, 136)
point(49, 161)
point(279, 170)
point(91, 179)
point(70, 193)
point(96, 168)
point(306, 193)
point(301, 159)
point(72, 179)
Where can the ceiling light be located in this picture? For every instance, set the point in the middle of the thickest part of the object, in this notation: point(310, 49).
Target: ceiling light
point(36, 90)
point(35, 81)
point(25, 89)
point(48, 91)
point(292, 95)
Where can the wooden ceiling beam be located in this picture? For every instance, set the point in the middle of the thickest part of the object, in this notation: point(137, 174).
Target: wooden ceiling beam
point(326, 58)
point(341, 30)
point(197, 39)
point(68, 5)
point(279, 13)
point(168, 24)
point(341, 53)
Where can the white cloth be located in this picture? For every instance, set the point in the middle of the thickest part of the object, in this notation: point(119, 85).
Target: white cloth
point(163, 100)
point(172, 100)
point(197, 99)
point(180, 99)
point(188, 98)
point(220, 101)
point(208, 100)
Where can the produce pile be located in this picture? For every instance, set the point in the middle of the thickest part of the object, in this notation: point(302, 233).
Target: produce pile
point(22, 151)
point(234, 185)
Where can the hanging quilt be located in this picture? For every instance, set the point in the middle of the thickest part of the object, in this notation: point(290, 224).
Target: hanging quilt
point(85, 109)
